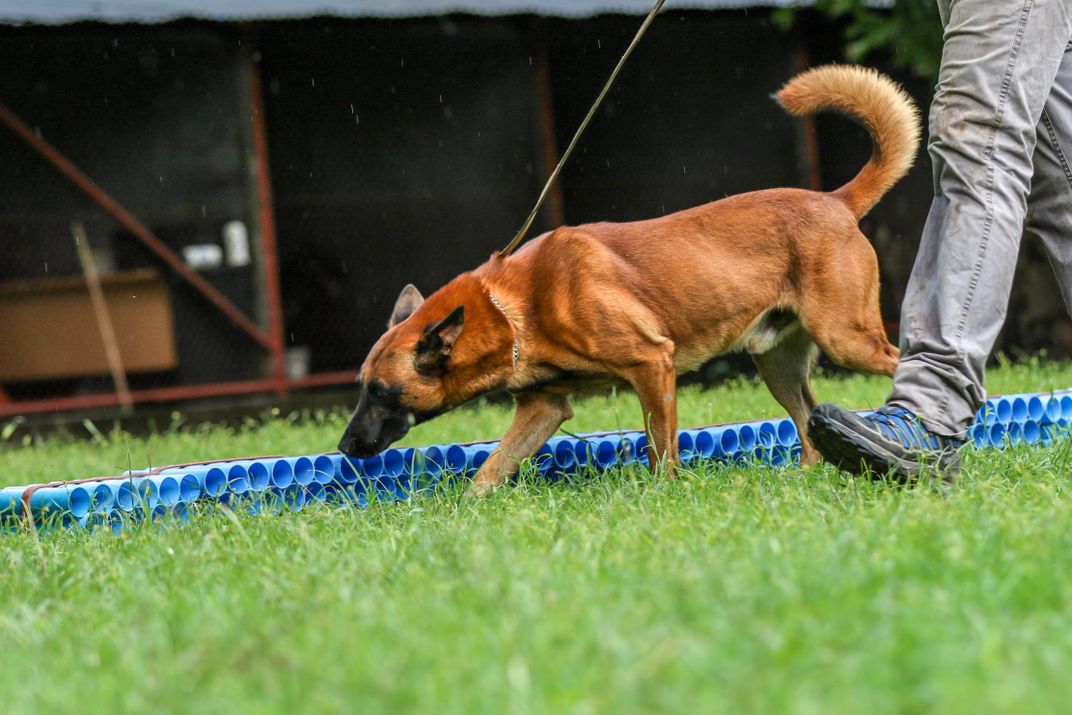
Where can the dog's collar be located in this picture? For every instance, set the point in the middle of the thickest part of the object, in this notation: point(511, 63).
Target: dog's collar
point(498, 304)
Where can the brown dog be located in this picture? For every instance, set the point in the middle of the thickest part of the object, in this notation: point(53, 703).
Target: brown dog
point(779, 273)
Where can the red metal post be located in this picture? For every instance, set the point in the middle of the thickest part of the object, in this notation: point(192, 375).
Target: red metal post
point(132, 224)
point(171, 394)
point(547, 120)
point(269, 253)
point(811, 129)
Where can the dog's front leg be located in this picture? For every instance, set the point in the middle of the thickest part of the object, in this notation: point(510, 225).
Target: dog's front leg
point(656, 386)
point(537, 417)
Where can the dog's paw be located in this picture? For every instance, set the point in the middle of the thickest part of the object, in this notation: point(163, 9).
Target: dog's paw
point(481, 489)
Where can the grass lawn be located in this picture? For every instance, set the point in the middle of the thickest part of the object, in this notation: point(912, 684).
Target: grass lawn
point(734, 589)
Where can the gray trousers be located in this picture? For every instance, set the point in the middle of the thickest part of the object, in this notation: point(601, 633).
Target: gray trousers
point(1001, 145)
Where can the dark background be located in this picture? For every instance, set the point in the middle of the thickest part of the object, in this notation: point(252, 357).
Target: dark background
point(407, 151)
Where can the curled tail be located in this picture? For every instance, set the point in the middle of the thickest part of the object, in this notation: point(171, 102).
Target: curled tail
point(881, 105)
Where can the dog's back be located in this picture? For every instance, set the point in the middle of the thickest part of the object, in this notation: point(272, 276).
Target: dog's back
point(704, 275)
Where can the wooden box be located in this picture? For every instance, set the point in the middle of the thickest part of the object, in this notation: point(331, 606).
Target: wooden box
point(48, 329)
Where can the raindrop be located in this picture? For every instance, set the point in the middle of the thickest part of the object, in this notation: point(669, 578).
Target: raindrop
point(313, 80)
point(204, 211)
point(402, 62)
point(351, 109)
point(46, 266)
point(599, 44)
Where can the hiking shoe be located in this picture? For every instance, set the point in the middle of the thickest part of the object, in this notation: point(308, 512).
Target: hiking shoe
point(890, 441)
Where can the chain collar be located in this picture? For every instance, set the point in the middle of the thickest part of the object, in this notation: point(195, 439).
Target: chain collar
point(517, 350)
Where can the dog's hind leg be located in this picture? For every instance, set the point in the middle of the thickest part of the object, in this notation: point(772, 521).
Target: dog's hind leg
point(786, 368)
point(536, 418)
point(840, 310)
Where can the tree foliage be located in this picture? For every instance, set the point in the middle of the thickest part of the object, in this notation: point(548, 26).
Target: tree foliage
point(908, 32)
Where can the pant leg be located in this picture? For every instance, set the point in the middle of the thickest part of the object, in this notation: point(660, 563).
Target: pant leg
point(999, 61)
point(1049, 207)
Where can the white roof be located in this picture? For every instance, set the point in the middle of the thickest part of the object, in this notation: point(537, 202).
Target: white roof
point(151, 11)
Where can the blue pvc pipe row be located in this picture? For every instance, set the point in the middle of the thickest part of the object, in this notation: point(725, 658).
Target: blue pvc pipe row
point(289, 483)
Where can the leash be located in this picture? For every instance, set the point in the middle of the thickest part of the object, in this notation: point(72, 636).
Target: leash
point(580, 130)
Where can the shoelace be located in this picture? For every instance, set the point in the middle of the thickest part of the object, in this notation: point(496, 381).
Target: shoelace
point(902, 426)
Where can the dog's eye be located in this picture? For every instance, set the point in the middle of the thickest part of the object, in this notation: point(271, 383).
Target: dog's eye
point(377, 393)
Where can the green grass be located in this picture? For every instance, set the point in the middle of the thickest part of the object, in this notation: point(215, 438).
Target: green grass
point(732, 589)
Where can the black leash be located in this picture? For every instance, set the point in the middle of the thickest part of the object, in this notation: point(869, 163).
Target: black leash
point(580, 130)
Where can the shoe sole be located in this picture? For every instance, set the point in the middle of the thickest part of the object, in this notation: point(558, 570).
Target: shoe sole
point(855, 453)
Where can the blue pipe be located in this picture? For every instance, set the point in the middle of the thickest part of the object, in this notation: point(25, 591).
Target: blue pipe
point(237, 479)
point(686, 446)
point(563, 452)
point(544, 459)
point(301, 469)
point(59, 500)
point(1019, 409)
point(292, 496)
point(208, 478)
point(1032, 432)
point(394, 462)
point(435, 459)
point(1052, 412)
point(10, 503)
point(282, 474)
point(325, 469)
point(124, 494)
point(160, 489)
point(189, 488)
point(179, 512)
point(155, 513)
point(412, 461)
point(747, 436)
point(396, 473)
point(600, 452)
point(1066, 408)
point(347, 469)
point(457, 459)
point(466, 459)
point(258, 474)
point(371, 467)
point(316, 492)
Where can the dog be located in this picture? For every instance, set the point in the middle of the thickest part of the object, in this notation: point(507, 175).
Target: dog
point(779, 273)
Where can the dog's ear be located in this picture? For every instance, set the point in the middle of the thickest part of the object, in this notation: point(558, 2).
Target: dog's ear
point(408, 301)
point(437, 342)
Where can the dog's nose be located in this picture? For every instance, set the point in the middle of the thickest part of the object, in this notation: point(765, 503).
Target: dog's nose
point(347, 445)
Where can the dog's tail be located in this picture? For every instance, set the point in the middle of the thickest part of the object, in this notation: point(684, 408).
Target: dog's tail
point(883, 107)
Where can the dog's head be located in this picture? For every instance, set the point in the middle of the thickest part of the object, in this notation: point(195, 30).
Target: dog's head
point(416, 370)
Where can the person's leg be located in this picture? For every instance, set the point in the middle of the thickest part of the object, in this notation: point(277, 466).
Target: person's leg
point(1049, 207)
point(999, 61)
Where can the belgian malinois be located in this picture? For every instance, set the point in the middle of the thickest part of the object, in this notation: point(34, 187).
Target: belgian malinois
point(780, 273)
